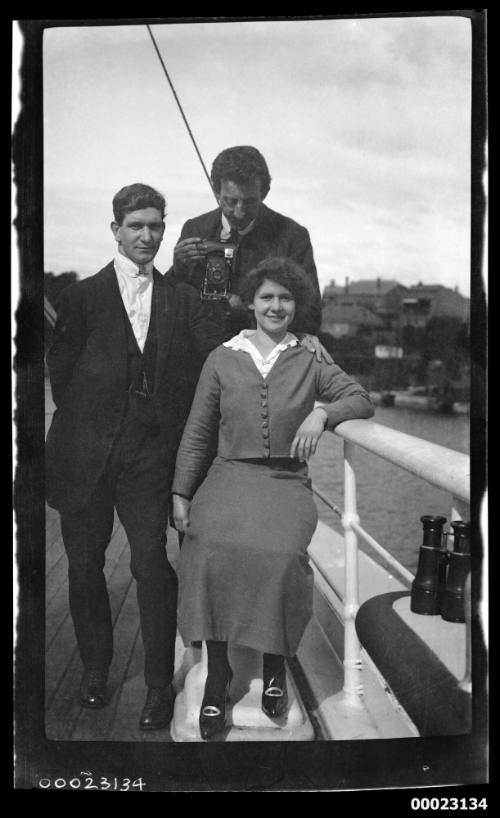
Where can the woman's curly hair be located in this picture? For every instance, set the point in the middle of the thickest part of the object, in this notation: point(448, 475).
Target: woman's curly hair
point(283, 271)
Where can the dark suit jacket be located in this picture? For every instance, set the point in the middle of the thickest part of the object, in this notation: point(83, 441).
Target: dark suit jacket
point(88, 373)
point(272, 235)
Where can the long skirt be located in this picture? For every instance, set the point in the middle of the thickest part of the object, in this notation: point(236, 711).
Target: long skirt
point(244, 573)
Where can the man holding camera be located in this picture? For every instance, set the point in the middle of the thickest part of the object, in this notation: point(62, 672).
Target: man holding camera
point(241, 181)
point(127, 352)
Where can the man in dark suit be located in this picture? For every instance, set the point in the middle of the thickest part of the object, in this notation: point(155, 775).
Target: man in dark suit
point(241, 181)
point(127, 351)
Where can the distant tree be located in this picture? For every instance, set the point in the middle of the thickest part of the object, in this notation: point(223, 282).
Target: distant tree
point(412, 338)
point(353, 345)
point(446, 339)
point(53, 285)
point(328, 341)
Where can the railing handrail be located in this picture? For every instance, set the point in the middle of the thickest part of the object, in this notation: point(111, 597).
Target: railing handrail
point(49, 311)
point(442, 467)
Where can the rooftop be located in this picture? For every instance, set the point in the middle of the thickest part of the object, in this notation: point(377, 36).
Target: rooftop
point(350, 314)
point(375, 286)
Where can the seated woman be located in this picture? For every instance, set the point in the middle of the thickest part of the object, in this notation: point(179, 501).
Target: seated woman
point(241, 492)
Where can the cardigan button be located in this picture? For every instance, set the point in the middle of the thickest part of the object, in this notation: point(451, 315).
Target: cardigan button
point(265, 424)
point(265, 432)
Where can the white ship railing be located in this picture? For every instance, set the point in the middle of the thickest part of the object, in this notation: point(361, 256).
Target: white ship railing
point(49, 311)
point(441, 467)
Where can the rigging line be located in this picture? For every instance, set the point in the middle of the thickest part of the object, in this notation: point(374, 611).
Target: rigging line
point(180, 109)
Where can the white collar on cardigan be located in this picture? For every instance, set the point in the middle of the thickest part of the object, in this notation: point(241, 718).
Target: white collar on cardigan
point(243, 341)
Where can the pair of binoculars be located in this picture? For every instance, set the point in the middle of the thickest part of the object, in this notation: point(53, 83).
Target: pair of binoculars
point(439, 584)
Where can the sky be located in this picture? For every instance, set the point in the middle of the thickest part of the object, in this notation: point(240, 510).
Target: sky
point(364, 123)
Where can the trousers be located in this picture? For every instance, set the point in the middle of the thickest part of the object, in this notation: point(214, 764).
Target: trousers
point(136, 482)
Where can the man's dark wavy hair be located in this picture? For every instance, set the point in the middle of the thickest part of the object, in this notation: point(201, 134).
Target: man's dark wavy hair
point(242, 165)
point(283, 271)
point(137, 197)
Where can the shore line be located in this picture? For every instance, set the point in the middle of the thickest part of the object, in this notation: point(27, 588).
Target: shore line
point(404, 399)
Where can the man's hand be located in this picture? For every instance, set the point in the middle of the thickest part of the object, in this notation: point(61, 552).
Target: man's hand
point(309, 432)
point(235, 301)
point(312, 343)
point(180, 511)
point(192, 249)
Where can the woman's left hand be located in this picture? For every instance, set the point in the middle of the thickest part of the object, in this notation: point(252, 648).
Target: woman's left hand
point(307, 435)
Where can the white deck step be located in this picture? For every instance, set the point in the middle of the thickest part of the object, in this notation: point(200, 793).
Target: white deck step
point(325, 714)
point(244, 717)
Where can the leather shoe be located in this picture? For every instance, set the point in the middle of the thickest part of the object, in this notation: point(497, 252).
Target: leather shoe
point(159, 708)
point(93, 692)
point(275, 696)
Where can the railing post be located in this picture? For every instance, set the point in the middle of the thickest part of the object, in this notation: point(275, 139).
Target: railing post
point(353, 686)
point(460, 510)
point(466, 682)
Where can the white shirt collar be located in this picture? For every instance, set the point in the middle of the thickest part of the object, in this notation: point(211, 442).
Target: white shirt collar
point(125, 265)
point(226, 228)
point(243, 341)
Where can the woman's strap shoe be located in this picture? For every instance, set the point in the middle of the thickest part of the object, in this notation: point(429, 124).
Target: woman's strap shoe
point(212, 719)
point(213, 713)
point(275, 697)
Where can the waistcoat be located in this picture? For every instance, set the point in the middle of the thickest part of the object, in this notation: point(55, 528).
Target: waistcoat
point(141, 369)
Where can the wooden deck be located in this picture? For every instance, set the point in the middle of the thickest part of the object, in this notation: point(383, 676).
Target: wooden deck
point(65, 719)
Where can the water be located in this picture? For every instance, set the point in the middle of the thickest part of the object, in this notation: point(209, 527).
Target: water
point(390, 500)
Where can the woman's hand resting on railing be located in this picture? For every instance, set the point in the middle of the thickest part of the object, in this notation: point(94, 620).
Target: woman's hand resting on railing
point(309, 432)
point(180, 511)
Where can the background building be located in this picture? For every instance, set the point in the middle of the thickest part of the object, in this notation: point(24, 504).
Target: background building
point(395, 336)
point(426, 301)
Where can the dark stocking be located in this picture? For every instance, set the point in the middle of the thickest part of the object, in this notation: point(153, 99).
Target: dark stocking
point(274, 692)
point(273, 667)
point(219, 670)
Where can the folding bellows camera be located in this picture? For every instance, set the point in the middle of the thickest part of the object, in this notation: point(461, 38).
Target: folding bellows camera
point(220, 260)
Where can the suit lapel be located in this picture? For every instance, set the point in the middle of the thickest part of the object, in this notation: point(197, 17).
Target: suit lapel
point(215, 226)
point(165, 303)
point(109, 297)
point(210, 225)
